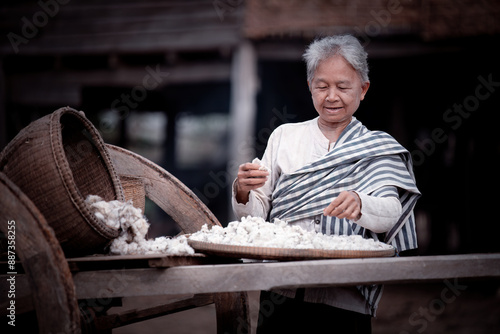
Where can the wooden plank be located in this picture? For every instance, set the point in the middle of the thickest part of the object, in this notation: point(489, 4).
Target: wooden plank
point(117, 42)
point(117, 27)
point(107, 262)
point(266, 276)
point(64, 88)
point(136, 315)
point(176, 261)
point(154, 20)
point(448, 18)
point(311, 18)
point(111, 258)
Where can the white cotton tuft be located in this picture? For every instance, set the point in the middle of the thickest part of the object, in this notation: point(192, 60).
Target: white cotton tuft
point(134, 228)
point(262, 167)
point(255, 231)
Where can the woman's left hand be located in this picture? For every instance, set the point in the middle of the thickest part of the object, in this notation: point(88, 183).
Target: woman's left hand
point(346, 205)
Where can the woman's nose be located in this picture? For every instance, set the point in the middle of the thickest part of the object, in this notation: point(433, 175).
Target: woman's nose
point(331, 96)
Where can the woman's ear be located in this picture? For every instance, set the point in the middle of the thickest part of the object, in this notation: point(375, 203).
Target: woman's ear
point(364, 89)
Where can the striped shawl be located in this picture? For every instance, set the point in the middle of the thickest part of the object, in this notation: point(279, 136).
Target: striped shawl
point(361, 160)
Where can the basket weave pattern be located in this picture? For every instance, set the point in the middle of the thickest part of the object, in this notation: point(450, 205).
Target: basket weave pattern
point(133, 188)
point(57, 161)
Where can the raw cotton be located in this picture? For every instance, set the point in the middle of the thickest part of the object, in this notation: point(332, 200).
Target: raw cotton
point(255, 231)
point(134, 228)
point(262, 167)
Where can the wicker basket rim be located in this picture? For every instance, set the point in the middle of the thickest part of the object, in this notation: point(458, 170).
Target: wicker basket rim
point(67, 175)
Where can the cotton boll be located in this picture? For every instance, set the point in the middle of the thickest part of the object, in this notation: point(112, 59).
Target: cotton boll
point(279, 222)
point(99, 216)
point(92, 199)
point(134, 228)
point(180, 245)
point(262, 167)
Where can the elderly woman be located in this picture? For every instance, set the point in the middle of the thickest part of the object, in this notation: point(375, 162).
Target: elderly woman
point(332, 175)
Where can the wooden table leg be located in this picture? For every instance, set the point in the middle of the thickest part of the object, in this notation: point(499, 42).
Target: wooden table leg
point(233, 314)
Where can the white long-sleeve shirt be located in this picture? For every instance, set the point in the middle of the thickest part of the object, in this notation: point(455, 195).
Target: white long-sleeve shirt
point(290, 147)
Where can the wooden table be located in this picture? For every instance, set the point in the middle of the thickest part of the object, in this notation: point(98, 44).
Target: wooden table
point(235, 277)
point(201, 277)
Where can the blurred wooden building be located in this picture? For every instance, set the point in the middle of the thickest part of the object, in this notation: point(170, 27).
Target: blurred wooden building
point(198, 85)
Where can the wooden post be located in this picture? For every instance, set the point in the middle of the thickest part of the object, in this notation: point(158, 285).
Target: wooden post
point(243, 109)
point(232, 308)
point(233, 315)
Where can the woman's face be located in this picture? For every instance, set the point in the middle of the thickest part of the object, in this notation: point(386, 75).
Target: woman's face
point(336, 91)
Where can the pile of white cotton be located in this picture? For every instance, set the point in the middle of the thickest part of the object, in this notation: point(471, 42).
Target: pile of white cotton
point(255, 231)
point(134, 228)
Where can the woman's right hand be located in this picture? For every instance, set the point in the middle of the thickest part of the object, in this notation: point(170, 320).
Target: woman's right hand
point(250, 177)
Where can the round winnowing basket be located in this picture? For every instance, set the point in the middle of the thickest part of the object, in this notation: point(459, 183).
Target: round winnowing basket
point(284, 254)
point(57, 161)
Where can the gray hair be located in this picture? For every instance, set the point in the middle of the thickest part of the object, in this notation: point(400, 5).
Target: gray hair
point(346, 46)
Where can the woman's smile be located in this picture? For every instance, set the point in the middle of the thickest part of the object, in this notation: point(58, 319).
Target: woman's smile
point(333, 110)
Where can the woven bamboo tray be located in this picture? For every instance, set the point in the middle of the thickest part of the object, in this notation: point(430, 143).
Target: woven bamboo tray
point(283, 254)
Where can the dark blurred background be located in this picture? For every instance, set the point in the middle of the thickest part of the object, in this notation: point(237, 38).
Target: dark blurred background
point(197, 86)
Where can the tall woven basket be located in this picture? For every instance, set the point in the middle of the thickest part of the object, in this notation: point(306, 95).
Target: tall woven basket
point(57, 161)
